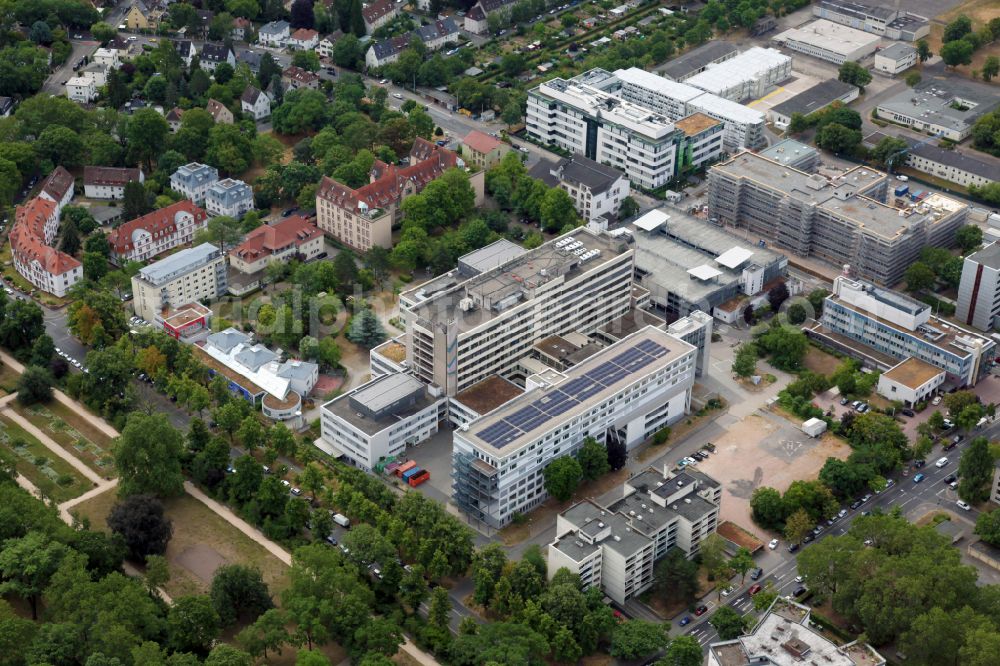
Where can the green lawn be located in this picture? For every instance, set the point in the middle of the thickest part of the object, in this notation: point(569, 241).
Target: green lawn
point(72, 433)
point(8, 378)
point(52, 475)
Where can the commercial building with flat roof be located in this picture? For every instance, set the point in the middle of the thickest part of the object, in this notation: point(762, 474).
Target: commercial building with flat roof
point(979, 290)
point(811, 100)
point(698, 59)
point(786, 637)
point(860, 318)
point(751, 74)
point(829, 41)
point(624, 393)
point(946, 107)
point(910, 382)
point(615, 548)
point(876, 19)
point(963, 169)
point(895, 58)
point(191, 275)
point(375, 422)
point(794, 154)
point(481, 398)
point(841, 220)
point(463, 328)
point(687, 264)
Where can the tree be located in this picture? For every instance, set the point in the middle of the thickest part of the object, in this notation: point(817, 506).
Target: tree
point(227, 655)
point(777, 295)
point(21, 325)
point(798, 526)
point(969, 237)
point(767, 508)
point(239, 593)
point(682, 651)
point(988, 526)
point(786, 346)
point(557, 210)
point(745, 360)
point(34, 386)
point(957, 29)
point(562, 476)
point(957, 53)
point(991, 67)
point(617, 454)
point(345, 271)
point(728, 623)
point(635, 639)
point(923, 50)
point(677, 577)
point(378, 635)
point(975, 472)
point(192, 624)
point(27, 564)
point(302, 14)
point(593, 458)
point(918, 277)
point(888, 150)
point(147, 134)
point(135, 201)
point(140, 521)
point(838, 139)
point(366, 330)
point(251, 433)
point(912, 79)
point(147, 455)
point(268, 632)
point(853, 73)
point(742, 562)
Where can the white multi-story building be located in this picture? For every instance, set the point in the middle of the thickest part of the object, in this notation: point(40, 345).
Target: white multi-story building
point(157, 232)
point(255, 103)
point(483, 317)
point(979, 290)
point(35, 226)
point(751, 74)
point(194, 180)
point(378, 420)
point(191, 275)
point(581, 117)
point(895, 58)
point(623, 393)
point(274, 34)
point(108, 182)
point(229, 197)
point(616, 547)
point(596, 190)
point(879, 19)
point(910, 382)
point(81, 89)
point(829, 41)
point(107, 57)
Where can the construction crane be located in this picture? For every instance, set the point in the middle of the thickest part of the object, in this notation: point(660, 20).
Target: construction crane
point(889, 161)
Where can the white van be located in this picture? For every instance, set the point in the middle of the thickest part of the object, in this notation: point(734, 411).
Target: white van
point(341, 520)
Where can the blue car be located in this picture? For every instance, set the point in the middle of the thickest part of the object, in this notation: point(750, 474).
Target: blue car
point(686, 620)
point(918, 478)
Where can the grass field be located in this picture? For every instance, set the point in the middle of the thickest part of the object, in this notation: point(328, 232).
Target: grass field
point(8, 378)
point(820, 362)
point(72, 433)
point(52, 475)
point(980, 11)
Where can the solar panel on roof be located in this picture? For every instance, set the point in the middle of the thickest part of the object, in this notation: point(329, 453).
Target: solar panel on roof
point(522, 415)
point(652, 348)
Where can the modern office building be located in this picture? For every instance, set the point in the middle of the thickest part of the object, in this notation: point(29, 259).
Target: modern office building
point(979, 290)
point(830, 41)
point(376, 421)
point(841, 220)
point(751, 74)
point(744, 127)
point(698, 59)
point(811, 100)
point(191, 275)
point(481, 318)
point(615, 548)
point(596, 190)
point(687, 264)
point(876, 19)
point(194, 180)
point(289, 238)
point(624, 393)
point(785, 636)
point(699, 142)
point(895, 58)
point(910, 382)
point(229, 197)
point(794, 154)
point(882, 327)
point(948, 107)
point(157, 232)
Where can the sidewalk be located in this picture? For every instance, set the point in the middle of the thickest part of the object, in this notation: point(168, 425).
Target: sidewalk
point(93, 492)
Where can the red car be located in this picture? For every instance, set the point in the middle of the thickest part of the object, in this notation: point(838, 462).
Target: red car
point(754, 589)
point(619, 617)
point(700, 610)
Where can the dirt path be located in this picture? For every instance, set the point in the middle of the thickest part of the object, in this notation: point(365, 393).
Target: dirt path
point(85, 414)
point(30, 428)
point(69, 504)
point(28, 485)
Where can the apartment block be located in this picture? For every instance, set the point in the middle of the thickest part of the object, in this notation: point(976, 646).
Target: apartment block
point(615, 548)
point(624, 393)
point(229, 197)
point(290, 238)
point(841, 220)
point(979, 290)
point(483, 317)
point(191, 275)
point(194, 180)
point(108, 182)
point(596, 190)
point(883, 327)
point(157, 232)
point(698, 59)
point(375, 422)
point(35, 225)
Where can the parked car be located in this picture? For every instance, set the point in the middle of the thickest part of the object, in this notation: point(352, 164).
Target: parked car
point(936, 400)
point(917, 478)
point(942, 461)
point(729, 590)
point(754, 589)
point(773, 544)
point(855, 504)
point(792, 547)
point(841, 513)
point(962, 505)
point(844, 401)
point(799, 591)
point(700, 610)
point(685, 621)
point(950, 478)
point(756, 573)
point(919, 463)
point(907, 412)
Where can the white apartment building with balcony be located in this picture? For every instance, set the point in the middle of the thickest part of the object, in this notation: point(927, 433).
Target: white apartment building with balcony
point(623, 393)
point(188, 276)
point(193, 181)
point(616, 547)
point(483, 317)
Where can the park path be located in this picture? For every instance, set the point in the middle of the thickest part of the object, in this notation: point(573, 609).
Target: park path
point(30, 428)
point(64, 508)
point(28, 485)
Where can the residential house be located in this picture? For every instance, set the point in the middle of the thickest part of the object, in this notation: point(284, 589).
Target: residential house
point(204, 21)
point(482, 150)
point(35, 226)
point(213, 54)
point(294, 78)
point(477, 18)
point(386, 51)
point(219, 112)
point(255, 103)
point(303, 39)
point(597, 190)
point(249, 58)
point(97, 72)
point(378, 13)
point(242, 28)
point(81, 89)
point(437, 34)
point(325, 47)
point(274, 34)
point(364, 217)
point(140, 16)
point(174, 119)
point(157, 232)
point(289, 238)
point(229, 197)
point(193, 180)
point(107, 57)
point(108, 182)
point(58, 188)
point(185, 49)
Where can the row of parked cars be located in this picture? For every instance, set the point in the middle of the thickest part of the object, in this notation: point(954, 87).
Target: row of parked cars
point(697, 456)
point(72, 361)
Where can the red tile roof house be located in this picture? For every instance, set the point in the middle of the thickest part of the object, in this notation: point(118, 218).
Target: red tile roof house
point(157, 232)
point(108, 182)
point(292, 237)
point(35, 226)
point(58, 188)
point(294, 78)
point(303, 39)
point(378, 13)
point(482, 150)
point(364, 217)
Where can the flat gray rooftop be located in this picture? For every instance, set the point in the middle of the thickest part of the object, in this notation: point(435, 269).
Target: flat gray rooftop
point(984, 166)
point(989, 256)
point(814, 99)
point(788, 150)
point(897, 51)
point(179, 263)
point(370, 396)
point(931, 101)
point(858, 9)
point(493, 255)
point(696, 58)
